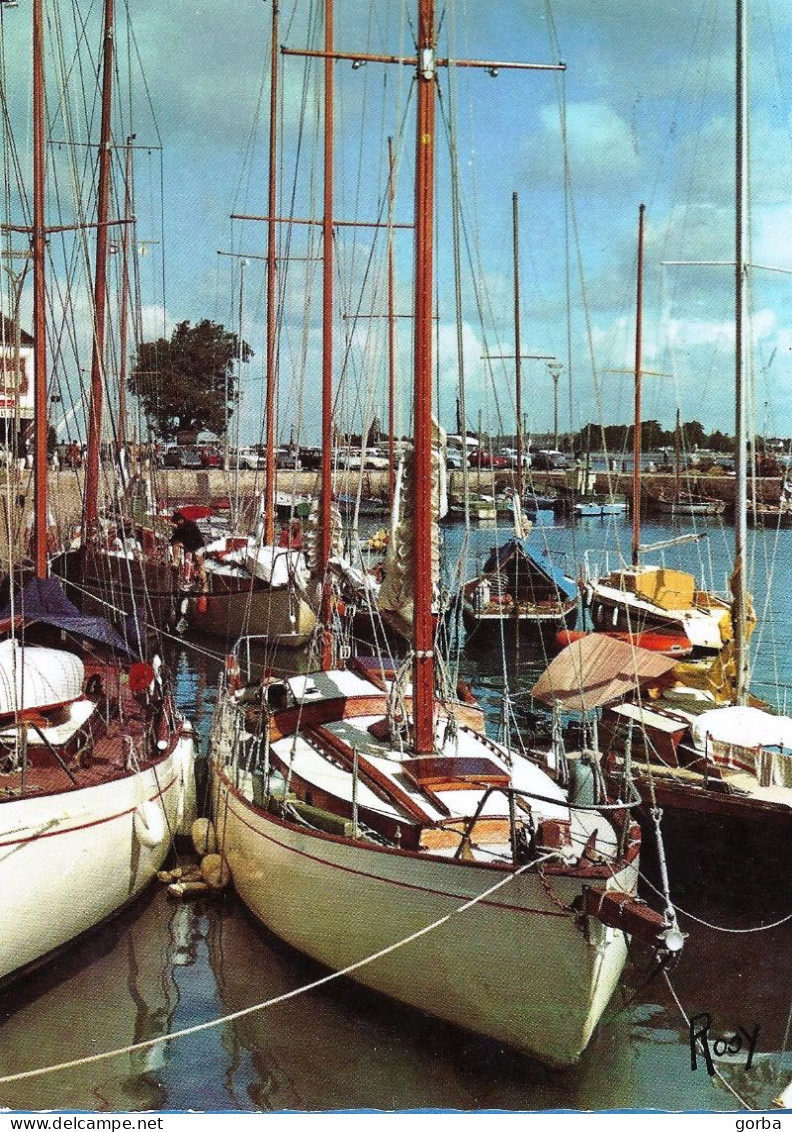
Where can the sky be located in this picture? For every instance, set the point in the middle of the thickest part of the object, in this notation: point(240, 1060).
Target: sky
point(643, 112)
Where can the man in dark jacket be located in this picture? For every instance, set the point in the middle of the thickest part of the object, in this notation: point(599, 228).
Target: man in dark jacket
point(186, 532)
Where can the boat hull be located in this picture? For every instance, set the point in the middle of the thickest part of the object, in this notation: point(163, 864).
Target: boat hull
point(68, 860)
point(517, 967)
point(281, 615)
point(538, 620)
point(231, 608)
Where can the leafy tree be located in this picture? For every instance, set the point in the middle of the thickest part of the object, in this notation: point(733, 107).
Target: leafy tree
point(188, 383)
point(693, 435)
point(720, 442)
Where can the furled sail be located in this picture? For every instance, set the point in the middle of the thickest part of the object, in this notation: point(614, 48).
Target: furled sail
point(396, 593)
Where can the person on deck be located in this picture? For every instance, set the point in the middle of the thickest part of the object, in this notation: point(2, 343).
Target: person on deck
point(187, 533)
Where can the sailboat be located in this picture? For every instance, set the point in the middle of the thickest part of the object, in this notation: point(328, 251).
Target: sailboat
point(369, 829)
point(684, 501)
point(239, 582)
point(96, 765)
point(703, 751)
point(640, 597)
point(519, 587)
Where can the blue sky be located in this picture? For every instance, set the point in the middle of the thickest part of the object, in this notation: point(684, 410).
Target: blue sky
point(647, 116)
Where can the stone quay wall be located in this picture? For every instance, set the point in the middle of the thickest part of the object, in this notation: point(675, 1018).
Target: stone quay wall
point(217, 487)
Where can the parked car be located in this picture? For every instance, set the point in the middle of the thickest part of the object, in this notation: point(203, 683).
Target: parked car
point(210, 457)
point(249, 458)
point(287, 458)
point(481, 458)
point(510, 454)
point(549, 460)
point(311, 458)
point(190, 460)
point(453, 458)
point(377, 461)
point(176, 457)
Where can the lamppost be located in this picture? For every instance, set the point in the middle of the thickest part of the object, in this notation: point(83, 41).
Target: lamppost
point(555, 368)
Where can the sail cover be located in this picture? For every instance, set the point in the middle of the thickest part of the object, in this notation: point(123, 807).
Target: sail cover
point(43, 600)
point(597, 670)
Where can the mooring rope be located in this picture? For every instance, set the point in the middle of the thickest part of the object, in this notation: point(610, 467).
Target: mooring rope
point(719, 927)
point(717, 1071)
point(188, 1031)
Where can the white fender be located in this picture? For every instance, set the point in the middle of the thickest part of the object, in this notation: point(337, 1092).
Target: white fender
point(149, 824)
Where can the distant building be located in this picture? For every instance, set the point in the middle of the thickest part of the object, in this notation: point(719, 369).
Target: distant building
point(16, 383)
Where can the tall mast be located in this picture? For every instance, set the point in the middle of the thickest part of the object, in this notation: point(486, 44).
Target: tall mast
point(636, 515)
point(91, 511)
point(39, 296)
point(269, 471)
point(326, 491)
point(122, 333)
point(739, 582)
point(423, 629)
point(327, 293)
point(517, 337)
point(391, 337)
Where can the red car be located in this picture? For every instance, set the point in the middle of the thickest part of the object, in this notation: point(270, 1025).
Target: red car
point(481, 458)
point(210, 458)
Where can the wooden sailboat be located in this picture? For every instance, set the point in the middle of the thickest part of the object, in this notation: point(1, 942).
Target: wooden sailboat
point(96, 765)
point(370, 829)
point(519, 587)
point(702, 751)
point(687, 501)
point(239, 583)
point(640, 597)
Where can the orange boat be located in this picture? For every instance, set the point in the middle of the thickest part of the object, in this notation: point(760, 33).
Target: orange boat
point(670, 644)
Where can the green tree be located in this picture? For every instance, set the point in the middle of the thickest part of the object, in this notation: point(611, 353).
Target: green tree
point(693, 435)
point(188, 383)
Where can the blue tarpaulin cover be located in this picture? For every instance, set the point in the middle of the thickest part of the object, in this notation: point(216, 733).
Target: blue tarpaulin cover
point(43, 600)
point(501, 555)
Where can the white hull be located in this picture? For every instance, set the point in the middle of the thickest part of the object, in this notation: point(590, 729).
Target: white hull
point(516, 967)
point(71, 859)
point(599, 510)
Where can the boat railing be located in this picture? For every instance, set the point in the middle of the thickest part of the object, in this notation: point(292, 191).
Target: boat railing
point(242, 648)
point(524, 830)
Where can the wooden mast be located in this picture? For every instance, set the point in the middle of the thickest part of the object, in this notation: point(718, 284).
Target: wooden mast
point(39, 242)
point(423, 628)
point(636, 510)
point(122, 334)
point(269, 470)
point(391, 337)
point(91, 510)
point(517, 341)
point(739, 581)
point(326, 493)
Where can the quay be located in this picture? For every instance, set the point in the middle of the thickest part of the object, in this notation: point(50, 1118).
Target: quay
point(216, 487)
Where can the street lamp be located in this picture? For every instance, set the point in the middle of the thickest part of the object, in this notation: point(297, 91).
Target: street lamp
point(555, 368)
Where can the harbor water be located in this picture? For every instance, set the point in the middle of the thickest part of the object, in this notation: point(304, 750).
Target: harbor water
point(164, 967)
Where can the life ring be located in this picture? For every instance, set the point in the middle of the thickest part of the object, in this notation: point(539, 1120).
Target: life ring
point(149, 824)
